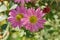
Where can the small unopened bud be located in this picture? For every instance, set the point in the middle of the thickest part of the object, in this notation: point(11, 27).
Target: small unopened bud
point(46, 9)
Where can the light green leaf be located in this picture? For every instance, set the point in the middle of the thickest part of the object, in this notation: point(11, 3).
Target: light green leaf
point(13, 7)
point(3, 8)
point(3, 17)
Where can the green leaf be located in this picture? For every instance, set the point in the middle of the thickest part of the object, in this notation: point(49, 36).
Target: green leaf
point(3, 8)
point(4, 26)
point(50, 16)
point(13, 7)
point(3, 17)
point(52, 31)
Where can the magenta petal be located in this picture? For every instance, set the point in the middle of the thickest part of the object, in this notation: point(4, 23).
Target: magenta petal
point(14, 24)
point(18, 1)
point(13, 13)
point(11, 19)
point(27, 1)
point(30, 12)
point(40, 13)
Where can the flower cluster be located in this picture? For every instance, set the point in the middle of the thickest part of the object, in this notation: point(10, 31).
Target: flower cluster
point(31, 19)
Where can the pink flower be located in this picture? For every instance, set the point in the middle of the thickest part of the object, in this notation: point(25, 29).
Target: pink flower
point(34, 19)
point(16, 16)
point(22, 1)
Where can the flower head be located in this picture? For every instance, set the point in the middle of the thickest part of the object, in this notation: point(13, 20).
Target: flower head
point(16, 16)
point(34, 20)
point(22, 1)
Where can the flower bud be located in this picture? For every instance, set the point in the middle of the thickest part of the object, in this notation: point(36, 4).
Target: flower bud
point(46, 9)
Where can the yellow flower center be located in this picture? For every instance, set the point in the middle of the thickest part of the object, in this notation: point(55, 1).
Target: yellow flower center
point(33, 19)
point(19, 17)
